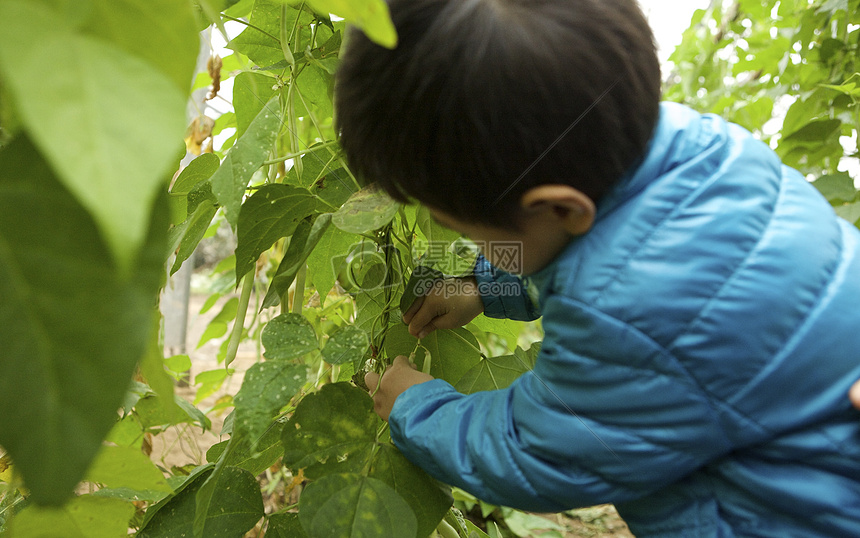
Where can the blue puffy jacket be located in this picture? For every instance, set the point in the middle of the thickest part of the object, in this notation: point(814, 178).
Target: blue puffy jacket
point(700, 342)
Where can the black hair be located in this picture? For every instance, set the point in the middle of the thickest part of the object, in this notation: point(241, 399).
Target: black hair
point(483, 99)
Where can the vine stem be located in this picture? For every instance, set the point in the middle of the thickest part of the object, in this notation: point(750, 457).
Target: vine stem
point(289, 156)
point(239, 323)
point(299, 296)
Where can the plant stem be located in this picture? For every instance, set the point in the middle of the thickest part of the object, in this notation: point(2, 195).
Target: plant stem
point(249, 25)
point(289, 156)
point(239, 323)
point(299, 296)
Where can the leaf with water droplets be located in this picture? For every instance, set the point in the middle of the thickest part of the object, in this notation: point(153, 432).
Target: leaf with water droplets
point(347, 344)
point(288, 336)
point(351, 505)
point(273, 212)
point(332, 431)
point(267, 387)
point(235, 508)
point(367, 210)
point(245, 158)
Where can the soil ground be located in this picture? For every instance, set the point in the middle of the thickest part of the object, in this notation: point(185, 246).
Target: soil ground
point(180, 446)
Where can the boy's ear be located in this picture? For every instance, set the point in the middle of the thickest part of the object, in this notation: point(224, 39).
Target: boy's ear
point(571, 207)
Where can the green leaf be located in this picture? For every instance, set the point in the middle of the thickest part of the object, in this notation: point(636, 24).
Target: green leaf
point(151, 367)
point(255, 459)
point(367, 210)
point(303, 241)
point(288, 336)
point(261, 42)
point(285, 526)
point(331, 431)
point(453, 352)
point(273, 212)
point(314, 84)
point(428, 499)
point(850, 212)
point(327, 259)
point(354, 506)
point(130, 25)
point(74, 328)
point(815, 131)
point(251, 92)
point(197, 171)
point(83, 121)
point(154, 413)
point(126, 467)
point(131, 495)
point(370, 15)
point(87, 516)
point(184, 238)
point(267, 387)
point(837, 188)
point(497, 372)
point(217, 326)
point(235, 508)
point(347, 344)
point(245, 158)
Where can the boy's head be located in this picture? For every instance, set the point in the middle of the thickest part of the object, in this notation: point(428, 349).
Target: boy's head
point(483, 100)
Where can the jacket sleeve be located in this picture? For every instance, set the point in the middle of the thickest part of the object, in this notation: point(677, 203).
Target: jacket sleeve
point(596, 421)
point(504, 295)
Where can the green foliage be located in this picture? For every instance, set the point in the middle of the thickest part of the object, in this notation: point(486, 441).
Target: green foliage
point(82, 123)
point(325, 268)
point(235, 508)
point(76, 323)
point(786, 69)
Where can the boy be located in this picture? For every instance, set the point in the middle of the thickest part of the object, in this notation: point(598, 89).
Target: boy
point(699, 299)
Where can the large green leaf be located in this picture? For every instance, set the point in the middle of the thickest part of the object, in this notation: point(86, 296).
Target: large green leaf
point(332, 431)
point(329, 256)
point(245, 158)
point(109, 122)
point(261, 42)
point(127, 467)
point(130, 25)
point(235, 508)
point(303, 242)
point(837, 188)
point(251, 454)
point(273, 212)
point(285, 526)
point(428, 499)
point(367, 210)
point(251, 92)
point(346, 345)
point(267, 387)
point(87, 516)
point(72, 328)
point(494, 373)
point(370, 15)
point(850, 212)
point(288, 336)
point(354, 506)
point(453, 352)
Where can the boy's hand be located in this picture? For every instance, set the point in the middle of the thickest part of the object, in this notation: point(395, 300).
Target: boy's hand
point(448, 305)
point(397, 378)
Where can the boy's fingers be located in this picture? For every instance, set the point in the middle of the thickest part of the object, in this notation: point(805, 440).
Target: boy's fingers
point(416, 305)
point(371, 379)
point(422, 321)
point(402, 361)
